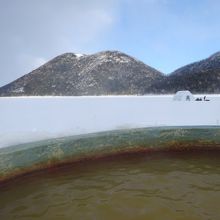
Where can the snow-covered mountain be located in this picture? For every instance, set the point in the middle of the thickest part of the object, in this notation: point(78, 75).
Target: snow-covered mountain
point(198, 77)
point(108, 72)
point(113, 73)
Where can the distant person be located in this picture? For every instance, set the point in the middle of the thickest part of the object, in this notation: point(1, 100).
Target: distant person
point(206, 99)
point(198, 99)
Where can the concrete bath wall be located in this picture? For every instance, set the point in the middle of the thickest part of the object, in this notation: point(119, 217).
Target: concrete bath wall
point(27, 119)
point(22, 159)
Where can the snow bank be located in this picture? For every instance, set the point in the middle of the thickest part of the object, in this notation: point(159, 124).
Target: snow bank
point(24, 119)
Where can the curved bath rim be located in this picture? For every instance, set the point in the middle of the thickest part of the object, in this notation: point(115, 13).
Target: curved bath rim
point(22, 159)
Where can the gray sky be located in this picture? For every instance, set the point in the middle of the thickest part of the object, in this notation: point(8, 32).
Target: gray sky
point(34, 31)
point(165, 34)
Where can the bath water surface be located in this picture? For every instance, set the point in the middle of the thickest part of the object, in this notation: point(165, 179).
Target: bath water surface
point(141, 186)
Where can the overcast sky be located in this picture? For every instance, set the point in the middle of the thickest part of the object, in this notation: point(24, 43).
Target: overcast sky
point(165, 34)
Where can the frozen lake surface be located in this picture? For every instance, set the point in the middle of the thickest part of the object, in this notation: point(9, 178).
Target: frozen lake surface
point(25, 119)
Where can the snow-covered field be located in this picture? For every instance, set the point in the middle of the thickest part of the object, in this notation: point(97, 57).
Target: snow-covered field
point(24, 119)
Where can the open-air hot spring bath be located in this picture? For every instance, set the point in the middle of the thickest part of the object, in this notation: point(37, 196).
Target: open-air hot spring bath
point(110, 110)
point(168, 186)
point(109, 158)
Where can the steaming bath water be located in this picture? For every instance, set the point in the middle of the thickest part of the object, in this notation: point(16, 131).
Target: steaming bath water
point(147, 186)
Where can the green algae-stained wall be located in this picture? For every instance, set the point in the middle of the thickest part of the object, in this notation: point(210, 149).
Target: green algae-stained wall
point(25, 158)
